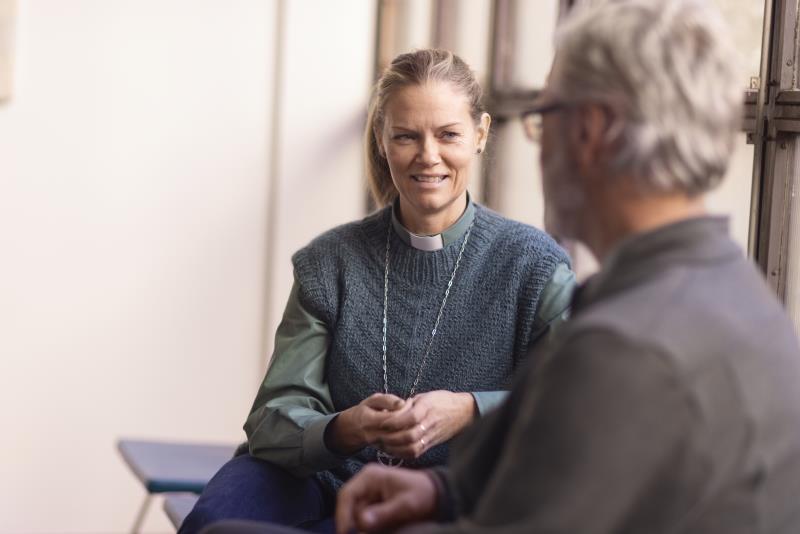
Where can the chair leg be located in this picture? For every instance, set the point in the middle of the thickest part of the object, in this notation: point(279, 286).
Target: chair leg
point(137, 525)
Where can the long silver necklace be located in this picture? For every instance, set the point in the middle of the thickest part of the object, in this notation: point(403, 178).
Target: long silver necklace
point(383, 457)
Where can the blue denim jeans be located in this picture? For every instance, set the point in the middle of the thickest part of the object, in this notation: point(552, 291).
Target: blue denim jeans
point(255, 490)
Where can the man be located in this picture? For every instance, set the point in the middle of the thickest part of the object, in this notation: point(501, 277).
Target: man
point(671, 400)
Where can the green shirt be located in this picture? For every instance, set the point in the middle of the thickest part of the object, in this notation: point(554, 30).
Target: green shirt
point(293, 405)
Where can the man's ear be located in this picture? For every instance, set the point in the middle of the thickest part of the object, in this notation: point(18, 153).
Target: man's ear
point(591, 136)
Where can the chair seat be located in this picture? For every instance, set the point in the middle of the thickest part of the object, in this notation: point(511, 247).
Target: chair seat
point(174, 467)
point(178, 505)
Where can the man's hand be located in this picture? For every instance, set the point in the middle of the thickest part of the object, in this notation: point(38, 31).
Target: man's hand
point(380, 498)
point(425, 421)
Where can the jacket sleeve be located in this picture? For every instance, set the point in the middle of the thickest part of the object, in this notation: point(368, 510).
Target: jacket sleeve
point(597, 437)
point(286, 425)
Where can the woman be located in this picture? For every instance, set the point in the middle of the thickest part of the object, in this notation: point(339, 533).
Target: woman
point(401, 328)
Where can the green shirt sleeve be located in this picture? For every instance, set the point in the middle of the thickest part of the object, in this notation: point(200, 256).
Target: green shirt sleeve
point(554, 302)
point(552, 311)
point(286, 425)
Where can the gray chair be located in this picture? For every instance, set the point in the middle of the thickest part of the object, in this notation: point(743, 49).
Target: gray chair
point(164, 467)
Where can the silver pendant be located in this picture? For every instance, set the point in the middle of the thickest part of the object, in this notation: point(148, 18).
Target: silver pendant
point(389, 460)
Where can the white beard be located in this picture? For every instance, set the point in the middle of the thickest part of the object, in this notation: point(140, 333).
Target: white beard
point(564, 199)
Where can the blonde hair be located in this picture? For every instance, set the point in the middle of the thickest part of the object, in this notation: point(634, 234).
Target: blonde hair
point(668, 69)
point(412, 68)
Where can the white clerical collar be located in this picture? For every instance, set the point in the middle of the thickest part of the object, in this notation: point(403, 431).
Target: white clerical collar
point(430, 243)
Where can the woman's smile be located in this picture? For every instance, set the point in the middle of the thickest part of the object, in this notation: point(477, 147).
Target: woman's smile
point(429, 179)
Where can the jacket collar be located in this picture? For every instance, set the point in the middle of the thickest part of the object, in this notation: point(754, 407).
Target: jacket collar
point(644, 256)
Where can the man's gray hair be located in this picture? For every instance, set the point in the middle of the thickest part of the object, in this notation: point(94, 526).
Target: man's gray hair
point(667, 70)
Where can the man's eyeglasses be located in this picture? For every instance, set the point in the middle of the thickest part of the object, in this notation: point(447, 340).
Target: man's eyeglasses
point(532, 119)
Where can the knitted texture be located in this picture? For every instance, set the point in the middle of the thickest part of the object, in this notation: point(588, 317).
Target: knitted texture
point(485, 329)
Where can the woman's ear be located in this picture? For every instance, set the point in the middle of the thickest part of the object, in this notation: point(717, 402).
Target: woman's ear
point(483, 132)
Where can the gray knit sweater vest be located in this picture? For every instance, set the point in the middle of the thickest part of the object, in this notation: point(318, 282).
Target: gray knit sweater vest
point(485, 329)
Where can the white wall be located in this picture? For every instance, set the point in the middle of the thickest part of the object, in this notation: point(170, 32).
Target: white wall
point(325, 83)
point(135, 255)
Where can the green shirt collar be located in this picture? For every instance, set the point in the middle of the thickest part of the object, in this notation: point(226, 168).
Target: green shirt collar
point(434, 242)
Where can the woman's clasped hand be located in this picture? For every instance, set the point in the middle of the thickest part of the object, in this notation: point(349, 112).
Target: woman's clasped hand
point(402, 428)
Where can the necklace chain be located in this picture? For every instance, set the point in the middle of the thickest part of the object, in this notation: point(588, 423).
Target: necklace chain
point(438, 317)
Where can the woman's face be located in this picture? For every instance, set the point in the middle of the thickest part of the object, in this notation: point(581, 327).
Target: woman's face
point(429, 140)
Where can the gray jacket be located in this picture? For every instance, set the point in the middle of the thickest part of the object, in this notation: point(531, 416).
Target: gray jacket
point(670, 403)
